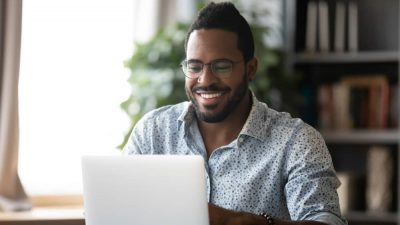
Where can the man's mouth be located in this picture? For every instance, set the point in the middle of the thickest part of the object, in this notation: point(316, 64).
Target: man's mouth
point(209, 98)
point(210, 95)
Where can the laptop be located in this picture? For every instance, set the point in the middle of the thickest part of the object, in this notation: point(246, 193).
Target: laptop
point(144, 190)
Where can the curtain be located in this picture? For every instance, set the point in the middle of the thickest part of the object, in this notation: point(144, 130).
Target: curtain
point(12, 194)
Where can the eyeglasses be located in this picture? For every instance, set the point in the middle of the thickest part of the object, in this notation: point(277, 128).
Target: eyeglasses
point(220, 67)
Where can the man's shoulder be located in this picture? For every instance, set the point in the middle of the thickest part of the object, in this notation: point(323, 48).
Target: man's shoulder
point(261, 113)
point(294, 128)
point(265, 123)
point(287, 121)
point(281, 119)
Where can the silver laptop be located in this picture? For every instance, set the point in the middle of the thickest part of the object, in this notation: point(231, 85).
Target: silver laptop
point(144, 190)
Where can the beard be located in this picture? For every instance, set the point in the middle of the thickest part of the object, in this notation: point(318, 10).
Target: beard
point(233, 102)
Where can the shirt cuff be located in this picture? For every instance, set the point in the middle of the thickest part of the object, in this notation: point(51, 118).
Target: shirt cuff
point(328, 218)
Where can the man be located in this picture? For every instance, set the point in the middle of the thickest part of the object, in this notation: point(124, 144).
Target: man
point(263, 167)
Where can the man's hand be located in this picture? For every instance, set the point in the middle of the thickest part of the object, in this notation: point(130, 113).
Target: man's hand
point(221, 216)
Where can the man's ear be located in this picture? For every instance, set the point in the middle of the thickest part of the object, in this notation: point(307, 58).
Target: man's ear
point(251, 69)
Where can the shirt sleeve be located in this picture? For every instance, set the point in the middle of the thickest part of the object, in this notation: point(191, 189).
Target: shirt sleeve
point(327, 217)
point(131, 147)
point(135, 144)
point(311, 179)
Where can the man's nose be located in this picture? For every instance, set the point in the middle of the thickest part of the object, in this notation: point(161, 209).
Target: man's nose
point(206, 76)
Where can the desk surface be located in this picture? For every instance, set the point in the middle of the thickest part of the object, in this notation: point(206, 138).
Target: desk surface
point(45, 215)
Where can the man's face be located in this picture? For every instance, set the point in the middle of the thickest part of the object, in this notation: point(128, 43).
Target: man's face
point(213, 97)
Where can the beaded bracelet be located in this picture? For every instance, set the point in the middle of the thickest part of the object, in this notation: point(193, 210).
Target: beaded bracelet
point(270, 220)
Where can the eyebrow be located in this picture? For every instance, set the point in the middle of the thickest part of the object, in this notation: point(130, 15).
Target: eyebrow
point(199, 61)
point(194, 61)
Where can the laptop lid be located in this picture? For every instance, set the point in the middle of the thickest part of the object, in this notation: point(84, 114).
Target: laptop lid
point(144, 190)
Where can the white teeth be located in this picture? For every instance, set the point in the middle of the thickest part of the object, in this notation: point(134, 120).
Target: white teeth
point(213, 95)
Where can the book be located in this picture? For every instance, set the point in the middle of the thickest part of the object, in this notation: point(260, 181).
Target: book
point(347, 191)
point(376, 104)
point(355, 102)
point(380, 172)
point(325, 107)
point(383, 104)
point(373, 109)
point(323, 26)
point(352, 26)
point(340, 24)
point(394, 106)
point(342, 119)
point(311, 27)
point(359, 106)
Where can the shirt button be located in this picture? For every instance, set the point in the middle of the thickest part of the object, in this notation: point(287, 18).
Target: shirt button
point(241, 139)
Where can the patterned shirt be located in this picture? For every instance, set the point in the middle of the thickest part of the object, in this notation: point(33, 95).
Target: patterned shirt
point(277, 164)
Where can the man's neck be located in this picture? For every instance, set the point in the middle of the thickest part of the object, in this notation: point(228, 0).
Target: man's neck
point(222, 133)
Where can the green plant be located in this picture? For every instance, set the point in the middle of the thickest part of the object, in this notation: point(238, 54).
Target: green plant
point(157, 80)
point(156, 77)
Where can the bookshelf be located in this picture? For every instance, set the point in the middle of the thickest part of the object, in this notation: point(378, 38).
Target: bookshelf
point(362, 136)
point(356, 57)
point(364, 43)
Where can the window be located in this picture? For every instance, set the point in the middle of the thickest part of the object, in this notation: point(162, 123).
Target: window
point(72, 81)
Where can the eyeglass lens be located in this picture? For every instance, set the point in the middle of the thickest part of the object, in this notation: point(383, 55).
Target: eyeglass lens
point(218, 67)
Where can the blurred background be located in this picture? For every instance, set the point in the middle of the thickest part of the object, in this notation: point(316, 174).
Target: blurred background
point(90, 69)
point(81, 59)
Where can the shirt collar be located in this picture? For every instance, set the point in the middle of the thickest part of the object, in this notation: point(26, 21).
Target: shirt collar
point(187, 115)
point(255, 125)
point(257, 121)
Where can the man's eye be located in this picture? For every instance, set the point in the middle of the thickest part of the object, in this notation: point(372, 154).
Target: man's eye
point(194, 68)
point(222, 67)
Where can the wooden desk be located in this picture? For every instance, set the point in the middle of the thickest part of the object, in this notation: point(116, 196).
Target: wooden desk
point(45, 216)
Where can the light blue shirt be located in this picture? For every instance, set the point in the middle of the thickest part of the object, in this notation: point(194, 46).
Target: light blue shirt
point(278, 164)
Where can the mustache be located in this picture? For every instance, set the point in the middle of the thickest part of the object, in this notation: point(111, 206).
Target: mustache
point(212, 87)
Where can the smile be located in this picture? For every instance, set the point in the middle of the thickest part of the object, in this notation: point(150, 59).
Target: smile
point(210, 95)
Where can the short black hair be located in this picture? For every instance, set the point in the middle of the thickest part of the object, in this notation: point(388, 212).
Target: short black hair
point(225, 16)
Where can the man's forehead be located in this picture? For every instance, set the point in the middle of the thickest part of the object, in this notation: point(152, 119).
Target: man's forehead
point(213, 32)
point(212, 41)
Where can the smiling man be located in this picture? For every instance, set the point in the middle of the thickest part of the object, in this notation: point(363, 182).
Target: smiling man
point(262, 166)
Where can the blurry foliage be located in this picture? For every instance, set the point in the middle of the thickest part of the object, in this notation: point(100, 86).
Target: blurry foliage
point(156, 77)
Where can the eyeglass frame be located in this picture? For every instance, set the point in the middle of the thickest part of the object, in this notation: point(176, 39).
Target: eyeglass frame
point(211, 67)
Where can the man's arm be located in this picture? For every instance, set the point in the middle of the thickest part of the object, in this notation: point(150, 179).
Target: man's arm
point(221, 216)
